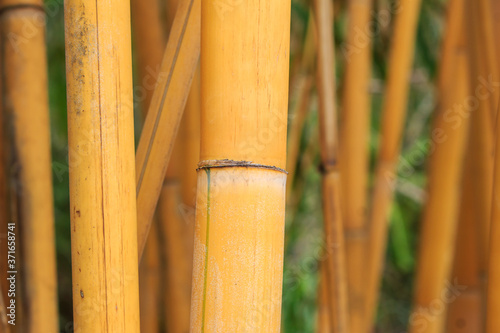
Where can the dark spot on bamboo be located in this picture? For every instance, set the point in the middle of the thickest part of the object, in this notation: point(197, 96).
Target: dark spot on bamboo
point(81, 294)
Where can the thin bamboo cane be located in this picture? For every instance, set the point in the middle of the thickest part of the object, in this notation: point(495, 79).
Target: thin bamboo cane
point(440, 218)
point(465, 313)
point(482, 137)
point(354, 155)
point(323, 324)
point(239, 234)
point(394, 110)
point(304, 84)
point(102, 173)
point(493, 291)
point(173, 86)
point(25, 100)
point(150, 43)
point(4, 206)
point(336, 275)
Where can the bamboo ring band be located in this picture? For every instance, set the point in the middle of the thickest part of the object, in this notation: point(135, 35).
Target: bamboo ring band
point(231, 164)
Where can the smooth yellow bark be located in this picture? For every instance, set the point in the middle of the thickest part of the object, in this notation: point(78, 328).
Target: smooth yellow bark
point(25, 101)
point(239, 233)
point(102, 169)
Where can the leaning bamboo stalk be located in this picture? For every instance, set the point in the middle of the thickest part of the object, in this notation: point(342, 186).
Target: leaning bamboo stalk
point(335, 266)
point(167, 106)
point(150, 44)
point(394, 111)
point(465, 313)
point(354, 154)
point(493, 290)
point(102, 173)
point(25, 101)
point(436, 252)
point(239, 234)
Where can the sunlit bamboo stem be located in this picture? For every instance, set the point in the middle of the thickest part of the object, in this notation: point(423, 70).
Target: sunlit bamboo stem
point(394, 111)
point(167, 106)
point(25, 101)
point(239, 234)
point(336, 276)
point(102, 169)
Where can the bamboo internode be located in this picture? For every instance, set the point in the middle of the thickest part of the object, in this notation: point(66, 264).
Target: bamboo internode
point(239, 233)
point(25, 103)
point(102, 172)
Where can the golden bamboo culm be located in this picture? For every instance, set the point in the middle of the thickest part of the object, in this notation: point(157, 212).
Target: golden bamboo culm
point(354, 155)
point(392, 123)
point(240, 209)
point(335, 282)
point(150, 43)
point(25, 104)
point(437, 235)
point(101, 155)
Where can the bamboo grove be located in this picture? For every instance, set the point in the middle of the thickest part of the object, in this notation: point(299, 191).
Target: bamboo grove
point(260, 166)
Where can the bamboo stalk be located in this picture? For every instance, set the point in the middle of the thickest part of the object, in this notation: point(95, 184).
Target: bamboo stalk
point(150, 43)
point(25, 101)
point(394, 111)
point(493, 290)
point(239, 233)
point(335, 275)
point(101, 154)
point(323, 323)
point(482, 137)
point(354, 155)
point(465, 313)
point(173, 86)
point(304, 84)
point(440, 218)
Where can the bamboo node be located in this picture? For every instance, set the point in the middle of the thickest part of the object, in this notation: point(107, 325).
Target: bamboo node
point(226, 163)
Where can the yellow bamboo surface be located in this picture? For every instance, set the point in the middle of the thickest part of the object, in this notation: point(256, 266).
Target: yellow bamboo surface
point(393, 116)
point(149, 45)
point(239, 232)
point(465, 313)
point(336, 275)
point(166, 109)
point(102, 170)
point(25, 101)
point(493, 290)
point(354, 155)
point(482, 122)
point(178, 264)
point(437, 235)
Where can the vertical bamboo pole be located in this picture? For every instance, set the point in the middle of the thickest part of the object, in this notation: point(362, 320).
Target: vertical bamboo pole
point(482, 124)
point(173, 85)
point(239, 234)
point(354, 155)
point(150, 43)
point(102, 173)
point(465, 313)
point(25, 101)
point(440, 217)
point(493, 291)
point(394, 110)
point(335, 283)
